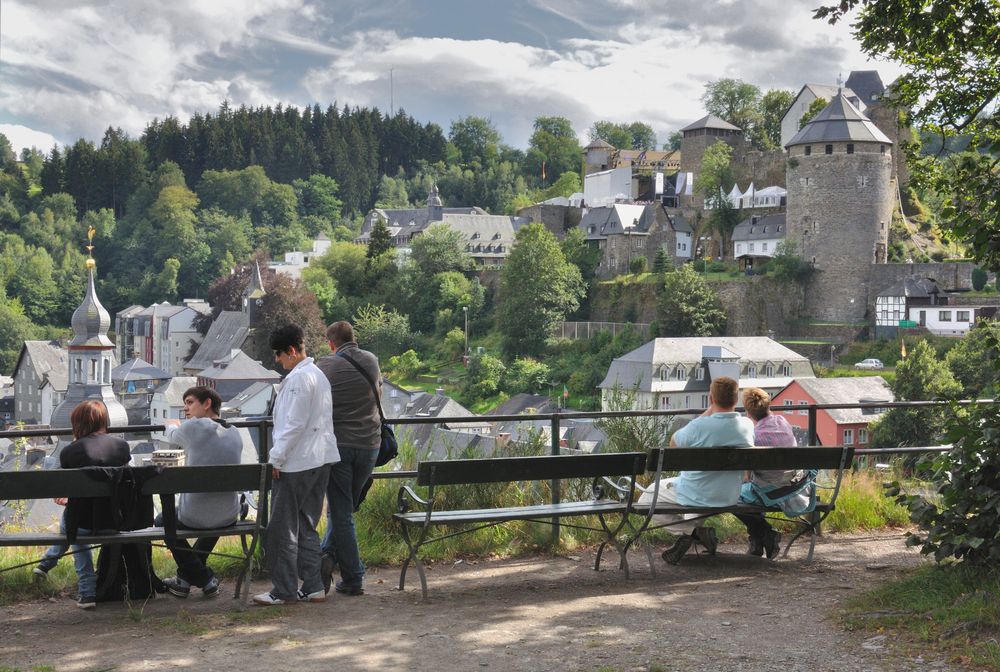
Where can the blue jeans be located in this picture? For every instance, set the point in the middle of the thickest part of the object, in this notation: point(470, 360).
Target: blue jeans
point(83, 562)
point(347, 477)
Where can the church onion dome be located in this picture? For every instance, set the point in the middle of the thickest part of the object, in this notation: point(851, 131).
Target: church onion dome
point(91, 320)
point(839, 121)
point(434, 198)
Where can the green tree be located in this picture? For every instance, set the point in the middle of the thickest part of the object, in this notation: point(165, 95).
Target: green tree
point(580, 253)
point(15, 329)
point(815, 107)
point(484, 376)
point(635, 135)
point(921, 376)
point(567, 185)
point(713, 183)
point(34, 286)
point(476, 139)
point(737, 102)
point(661, 264)
point(969, 361)
point(526, 374)
point(786, 264)
point(380, 241)
point(773, 106)
point(383, 332)
point(673, 141)
point(687, 306)
point(979, 279)
point(554, 146)
point(161, 286)
point(317, 197)
point(438, 249)
point(538, 288)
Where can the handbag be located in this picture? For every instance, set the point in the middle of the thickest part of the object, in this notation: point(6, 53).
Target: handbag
point(388, 449)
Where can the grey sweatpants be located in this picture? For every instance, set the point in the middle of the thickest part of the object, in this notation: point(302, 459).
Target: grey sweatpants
point(291, 541)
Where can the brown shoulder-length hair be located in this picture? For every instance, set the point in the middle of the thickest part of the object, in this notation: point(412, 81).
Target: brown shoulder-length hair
point(89, 417)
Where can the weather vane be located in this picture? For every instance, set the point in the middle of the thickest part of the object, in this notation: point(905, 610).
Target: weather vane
point(91, 231)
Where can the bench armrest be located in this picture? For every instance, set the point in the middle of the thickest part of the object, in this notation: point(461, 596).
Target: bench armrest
point(620, 488)
point(405, 493)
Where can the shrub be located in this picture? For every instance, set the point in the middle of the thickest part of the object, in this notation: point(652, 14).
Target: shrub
point(637, 265)
point(978, 279)
point(698, 265)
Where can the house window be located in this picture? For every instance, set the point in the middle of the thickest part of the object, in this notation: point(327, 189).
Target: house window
point(863, 182)
point(809, 150)
point(850, 148)
point(739, 248)
point(663, 373)
point(752, 371)
point(789, 403)
point(882, 149)
point(680, 373)
point(763, 247)
point(769, 371)
point(786, 369)
point(704, 401)
point(803, 411)
point(848, 437)
point(862, 436)
point(639, 243)
point(944, 316)
point(155, 413)
point(962, 316)
point(829, 149)
point(751, 247)
point(664, 402)
point(699, 373)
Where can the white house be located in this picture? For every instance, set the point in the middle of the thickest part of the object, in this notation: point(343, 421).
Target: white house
point(757, 238)
point(950, 320)
point(676, 372)
point(607, 187)
point(168, 401)
point(299, 259)
point(41, 376)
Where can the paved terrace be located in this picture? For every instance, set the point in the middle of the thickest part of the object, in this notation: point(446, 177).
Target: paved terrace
point(728, 612)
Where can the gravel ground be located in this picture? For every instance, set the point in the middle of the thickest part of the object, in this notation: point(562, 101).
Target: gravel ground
point(727, 612)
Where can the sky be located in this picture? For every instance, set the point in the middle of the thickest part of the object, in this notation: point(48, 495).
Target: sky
point(72, 68)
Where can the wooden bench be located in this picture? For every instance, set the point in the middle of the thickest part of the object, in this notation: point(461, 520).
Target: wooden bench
point(48, 484)
point(433, 475)
point(662, 461)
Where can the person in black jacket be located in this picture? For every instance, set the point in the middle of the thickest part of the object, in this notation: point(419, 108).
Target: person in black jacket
point(92, 447)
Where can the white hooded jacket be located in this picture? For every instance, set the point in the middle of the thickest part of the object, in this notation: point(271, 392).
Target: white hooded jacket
point(303, 421)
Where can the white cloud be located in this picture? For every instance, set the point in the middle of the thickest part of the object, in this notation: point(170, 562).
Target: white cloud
point(22, 137)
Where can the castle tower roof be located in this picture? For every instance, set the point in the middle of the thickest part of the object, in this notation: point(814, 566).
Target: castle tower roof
point(91, 320)
point(711, 121)
point(600, 144)
point(839, 121)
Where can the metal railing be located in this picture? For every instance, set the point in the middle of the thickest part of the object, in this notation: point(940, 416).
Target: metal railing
point(555, 419)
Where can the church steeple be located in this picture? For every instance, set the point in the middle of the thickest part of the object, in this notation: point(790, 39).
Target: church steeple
point(253, 295)
point(90, 355)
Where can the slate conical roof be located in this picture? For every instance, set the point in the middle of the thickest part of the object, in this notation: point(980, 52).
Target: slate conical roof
point(839, 121)
point(91, 320)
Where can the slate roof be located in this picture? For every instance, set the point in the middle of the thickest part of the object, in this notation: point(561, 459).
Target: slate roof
point(848, 391)
point(410, 221)
point(680, 224)
point(840, 121)
point(240, 367)
point(616, 219)
point(173, 390)
point(228, 332)
point(138, 369)
point(918, 288)
point(753, 228)
point(711, 121)
point(236, 403)
point(867, 84)
point(519, 403)
point(638, 369)
point(49, 360)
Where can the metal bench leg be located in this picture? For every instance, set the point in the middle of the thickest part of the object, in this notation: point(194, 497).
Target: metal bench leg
point(611, 536)
point(412, 556)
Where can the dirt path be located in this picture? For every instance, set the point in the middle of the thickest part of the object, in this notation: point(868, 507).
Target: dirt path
point(728, 612)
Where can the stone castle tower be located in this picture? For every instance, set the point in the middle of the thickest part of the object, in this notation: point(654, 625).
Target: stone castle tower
point(90, 360)
point(841, 195)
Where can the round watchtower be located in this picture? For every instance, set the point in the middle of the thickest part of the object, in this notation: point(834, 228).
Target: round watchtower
point(840, 202)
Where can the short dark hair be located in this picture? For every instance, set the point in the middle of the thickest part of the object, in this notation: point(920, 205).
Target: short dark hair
point(725, 392)
point(203, 394)
point(288, 336)
point(339, 333)
point(89, 417)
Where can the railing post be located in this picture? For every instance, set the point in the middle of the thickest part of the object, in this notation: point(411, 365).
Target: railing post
point(555, 481)
point(811, 437)
point(263, 449)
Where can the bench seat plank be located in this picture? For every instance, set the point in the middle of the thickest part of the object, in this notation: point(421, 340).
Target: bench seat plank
point(145, 534)
point(513, 512)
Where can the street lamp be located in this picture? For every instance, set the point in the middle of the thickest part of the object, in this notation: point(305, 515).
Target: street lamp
point(465, 309)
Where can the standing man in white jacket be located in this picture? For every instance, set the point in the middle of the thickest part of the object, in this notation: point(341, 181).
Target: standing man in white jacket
point(303, 448)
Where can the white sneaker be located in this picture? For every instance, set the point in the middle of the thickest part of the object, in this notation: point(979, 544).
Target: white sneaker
point(38, 571)
point(318, 596)
point(267, 598)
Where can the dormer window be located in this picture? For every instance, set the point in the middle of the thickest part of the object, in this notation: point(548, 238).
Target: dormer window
point(786, 369)
point(751, 371)
point(475, 235)
point(699, 373)
point(663, 373)
point(769, 370)
point(680, 373)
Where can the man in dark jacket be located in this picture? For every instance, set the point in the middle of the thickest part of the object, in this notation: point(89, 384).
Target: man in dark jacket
point(358, 428)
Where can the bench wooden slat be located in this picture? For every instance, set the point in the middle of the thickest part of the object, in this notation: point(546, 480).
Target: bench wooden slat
point(715, 510)
point(145, 534)
point(514, 512)
point(509, 469)
point(759, 459)
point(49, 483)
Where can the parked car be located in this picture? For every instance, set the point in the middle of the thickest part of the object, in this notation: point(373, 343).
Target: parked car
point(870, 363)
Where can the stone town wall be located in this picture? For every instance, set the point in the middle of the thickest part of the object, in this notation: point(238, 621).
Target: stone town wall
point(556, 218)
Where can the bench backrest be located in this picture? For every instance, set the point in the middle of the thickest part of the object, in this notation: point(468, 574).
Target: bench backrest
point(45, 484)
point(754, 459)
point(506, 469)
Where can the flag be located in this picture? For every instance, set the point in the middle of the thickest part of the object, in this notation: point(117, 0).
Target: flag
point(565, 392)
point(902, 348)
